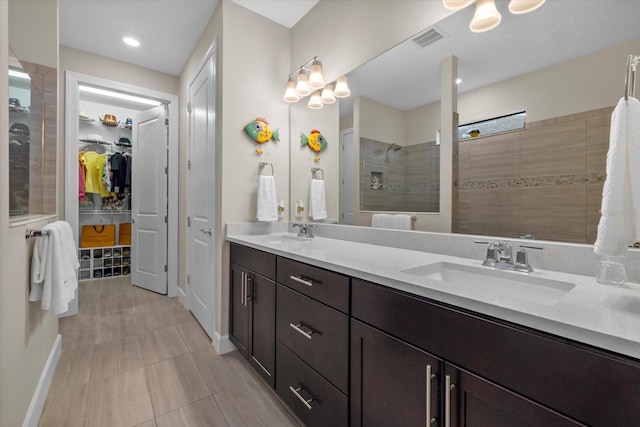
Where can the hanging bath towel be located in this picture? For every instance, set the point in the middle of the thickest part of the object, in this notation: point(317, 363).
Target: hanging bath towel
point(267, 200)
point(317, 202)
point(619, 224)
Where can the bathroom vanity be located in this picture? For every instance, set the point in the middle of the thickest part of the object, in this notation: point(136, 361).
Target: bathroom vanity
point(366, 335)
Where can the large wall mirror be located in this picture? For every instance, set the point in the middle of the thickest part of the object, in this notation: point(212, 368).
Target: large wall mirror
point(563, 65)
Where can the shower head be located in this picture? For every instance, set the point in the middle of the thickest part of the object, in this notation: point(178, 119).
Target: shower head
point(394, 147)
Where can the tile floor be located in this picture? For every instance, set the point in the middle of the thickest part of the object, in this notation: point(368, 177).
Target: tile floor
point(135, 358)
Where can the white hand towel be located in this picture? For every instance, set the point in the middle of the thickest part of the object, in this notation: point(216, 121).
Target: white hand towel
point(40, 264)
point(401, 222)
point(619, 224)
point(317, 202)
point(267, 200)
point(57, 286)
point(381, 221)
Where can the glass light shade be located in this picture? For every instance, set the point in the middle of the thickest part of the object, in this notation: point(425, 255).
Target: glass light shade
point(456, 4)
point(342, 88)
point(316, 81)
point(290, 94)
point(302, 87)
point(314, 101)
point(518, 7)
point(486, 17)
point(327, 95)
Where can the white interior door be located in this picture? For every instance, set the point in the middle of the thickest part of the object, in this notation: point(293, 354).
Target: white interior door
point(347, 160)
point(201, 196)
point(149, 200)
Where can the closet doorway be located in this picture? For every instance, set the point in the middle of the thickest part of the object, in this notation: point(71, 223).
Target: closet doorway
point(129, 124)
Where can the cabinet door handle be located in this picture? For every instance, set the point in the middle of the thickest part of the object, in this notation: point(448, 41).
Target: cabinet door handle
point(248, 282)
point(296, 392)
point(429, 377)
point(242, 274)
point(307, 282)
point(298, 328)
point(447, 400)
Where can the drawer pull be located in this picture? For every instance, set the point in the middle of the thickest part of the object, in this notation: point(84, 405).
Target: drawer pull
point(305, 281)
point(430, 376)
point(298, 328)
point(296, 391)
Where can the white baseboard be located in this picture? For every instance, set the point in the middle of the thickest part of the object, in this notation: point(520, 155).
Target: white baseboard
point(37, 401)
point(222, 343)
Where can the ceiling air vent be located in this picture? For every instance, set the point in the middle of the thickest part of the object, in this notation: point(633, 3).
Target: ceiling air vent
point(428, 37)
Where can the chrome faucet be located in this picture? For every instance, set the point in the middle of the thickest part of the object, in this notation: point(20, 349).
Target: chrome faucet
point(305, 230)
point(500, 255)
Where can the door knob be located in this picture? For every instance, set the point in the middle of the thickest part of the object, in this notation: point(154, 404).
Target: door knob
point(209, 231)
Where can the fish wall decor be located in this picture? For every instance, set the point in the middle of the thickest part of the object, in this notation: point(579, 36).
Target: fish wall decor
point(260, 132)
point(316, 141)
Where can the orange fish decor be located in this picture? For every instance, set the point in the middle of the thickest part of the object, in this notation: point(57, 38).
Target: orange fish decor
point(315, 141)
point(260, 132)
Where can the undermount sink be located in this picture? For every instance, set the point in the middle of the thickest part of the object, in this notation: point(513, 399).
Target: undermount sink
point(492, 285)
point(286, 238)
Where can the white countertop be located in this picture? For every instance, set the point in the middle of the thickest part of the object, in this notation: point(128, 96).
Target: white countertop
point(601, 316)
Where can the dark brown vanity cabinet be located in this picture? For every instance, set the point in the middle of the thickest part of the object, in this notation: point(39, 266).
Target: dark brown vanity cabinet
point(494, 373)
point(393, 383)
point(312, 329)
point(253, 305)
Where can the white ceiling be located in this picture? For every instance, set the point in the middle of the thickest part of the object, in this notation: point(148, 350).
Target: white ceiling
point(557, 32)
point(168, 30)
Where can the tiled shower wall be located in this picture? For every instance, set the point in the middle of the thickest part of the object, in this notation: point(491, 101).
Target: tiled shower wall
point(545, 180)
point(410, 179)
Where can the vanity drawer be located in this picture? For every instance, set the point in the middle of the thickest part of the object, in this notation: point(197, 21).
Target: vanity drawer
point(325, 286)
point(316, 333)
point(257, 261)
point(328, 407)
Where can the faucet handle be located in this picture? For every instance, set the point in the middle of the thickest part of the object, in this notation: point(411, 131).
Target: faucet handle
point(522, 258)
point(493, 255)
point(310, 230)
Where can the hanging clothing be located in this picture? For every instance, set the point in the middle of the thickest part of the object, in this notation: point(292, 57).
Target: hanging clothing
point(118, 165)
point(82, 173)
point(94, 164)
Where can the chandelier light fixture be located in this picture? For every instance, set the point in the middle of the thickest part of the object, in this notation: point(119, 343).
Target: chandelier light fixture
point(308, 80)
point(486, 16)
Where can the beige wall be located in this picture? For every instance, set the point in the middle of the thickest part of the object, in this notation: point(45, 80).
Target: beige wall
point(251, 80)
point(27, 333)
point(381, 122)
point(587, 83)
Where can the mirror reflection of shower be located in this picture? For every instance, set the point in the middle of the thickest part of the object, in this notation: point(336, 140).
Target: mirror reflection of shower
point(394, 147)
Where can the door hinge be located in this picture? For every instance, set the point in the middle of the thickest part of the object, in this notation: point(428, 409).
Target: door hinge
point(188, 164)
point(166, 170)
point(188, 221)
point(188, 107)
point(166, 268)
point(188, 279)
point(166, 219)
point(166, 122)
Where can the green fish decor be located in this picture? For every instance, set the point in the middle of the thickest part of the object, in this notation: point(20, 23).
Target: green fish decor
point(260, 132)
point(315, 141)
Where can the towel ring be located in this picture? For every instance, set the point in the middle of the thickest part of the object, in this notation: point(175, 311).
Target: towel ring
point(314, 170)
point(263, 164)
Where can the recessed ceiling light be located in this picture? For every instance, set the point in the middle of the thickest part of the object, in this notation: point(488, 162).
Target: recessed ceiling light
point(458, 81)
point(131, 41)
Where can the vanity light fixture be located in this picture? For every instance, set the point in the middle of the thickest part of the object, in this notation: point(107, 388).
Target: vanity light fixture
point(342, 88)
point(131, 41)
point(486, 16)
point(290, 94)
point(308, 80)
point(316, 81)
point(315, 103)
point(327, 95)
point(302, 87)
